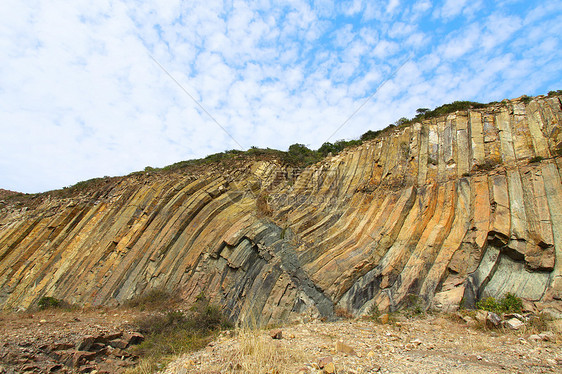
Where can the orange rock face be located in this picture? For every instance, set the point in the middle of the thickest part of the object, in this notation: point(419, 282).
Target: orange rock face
point(449, 209)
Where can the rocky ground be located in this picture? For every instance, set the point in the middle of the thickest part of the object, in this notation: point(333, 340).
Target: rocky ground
point(98, 341)
point(432, 344)
point(55, 341)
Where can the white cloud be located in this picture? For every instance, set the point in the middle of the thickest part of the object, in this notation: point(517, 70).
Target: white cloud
point(344, 36)
point(463, 42)
point(385, 48)
point(351, 7)
point(421, 6)
point(400, 29)
point(543, 9)
point(80, 96)
point(392, 6)
point(499, 29)
point(453, 8)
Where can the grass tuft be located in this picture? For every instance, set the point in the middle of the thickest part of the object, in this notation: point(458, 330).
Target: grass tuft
point(257, 353)
point(539, 323)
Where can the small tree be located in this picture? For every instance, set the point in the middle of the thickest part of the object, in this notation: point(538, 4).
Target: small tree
point(402, 121)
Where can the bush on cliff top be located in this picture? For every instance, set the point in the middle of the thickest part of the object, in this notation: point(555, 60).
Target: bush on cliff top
point(301, 156)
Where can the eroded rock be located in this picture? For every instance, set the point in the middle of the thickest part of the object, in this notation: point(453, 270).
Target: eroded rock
point(449, 209)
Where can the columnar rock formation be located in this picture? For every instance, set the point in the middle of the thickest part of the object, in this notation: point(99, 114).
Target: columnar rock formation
point(452, 209)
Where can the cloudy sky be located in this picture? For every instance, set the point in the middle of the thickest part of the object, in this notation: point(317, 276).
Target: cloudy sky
point(96, 88)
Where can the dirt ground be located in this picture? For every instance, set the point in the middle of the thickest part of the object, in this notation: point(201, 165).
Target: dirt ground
point(430, 344)
point(38, 343)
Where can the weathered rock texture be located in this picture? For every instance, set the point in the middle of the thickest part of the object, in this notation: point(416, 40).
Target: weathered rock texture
point(447, 209)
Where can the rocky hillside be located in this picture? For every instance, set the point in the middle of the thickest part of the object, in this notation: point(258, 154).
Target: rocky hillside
point(6, 193)
point(445, 211)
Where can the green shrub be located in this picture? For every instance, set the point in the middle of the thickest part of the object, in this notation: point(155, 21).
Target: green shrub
point(509, 303)
point(83, 185)
point(370, 135)
point(48, 302)
point(488, 165)
point(403, 122)
point(536, 159)
point(340, 145)
point(490, 304)
point(413, 305)
point(301, 155)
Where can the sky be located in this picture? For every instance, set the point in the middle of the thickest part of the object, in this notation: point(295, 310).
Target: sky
point(104, 88)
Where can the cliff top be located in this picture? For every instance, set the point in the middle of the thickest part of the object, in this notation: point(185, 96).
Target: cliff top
point(298, 155)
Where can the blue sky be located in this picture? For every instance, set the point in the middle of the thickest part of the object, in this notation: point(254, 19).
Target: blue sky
point(85, 90)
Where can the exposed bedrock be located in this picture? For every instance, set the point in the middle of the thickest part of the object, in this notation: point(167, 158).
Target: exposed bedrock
point(452, 209)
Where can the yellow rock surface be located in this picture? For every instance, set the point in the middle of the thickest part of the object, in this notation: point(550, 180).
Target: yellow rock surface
point(448, 209)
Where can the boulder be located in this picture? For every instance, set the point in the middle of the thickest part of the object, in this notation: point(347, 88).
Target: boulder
point(344, 348)
point(118, 343)
point(133, 338)
point(493, 320)
point(384, 318)
point(324, 361)
point(547, 336)
point(330, 368)
point(481, 316)
point(514, 324)
point(85, 343)
point(276, 334)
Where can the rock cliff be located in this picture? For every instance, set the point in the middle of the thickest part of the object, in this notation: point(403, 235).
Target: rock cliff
point(441, 212)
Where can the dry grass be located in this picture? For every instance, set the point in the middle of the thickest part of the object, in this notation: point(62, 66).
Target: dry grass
point(147, 366)
point(343, 313)
point(539, 323)
point(154, 299)
point(257, 353)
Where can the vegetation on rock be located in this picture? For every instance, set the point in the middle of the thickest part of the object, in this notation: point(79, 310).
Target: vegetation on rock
point(536, 159)
point(48, 302)
point(509, 303)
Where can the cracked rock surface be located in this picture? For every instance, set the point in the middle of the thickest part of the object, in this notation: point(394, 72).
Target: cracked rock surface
point(451, 209)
